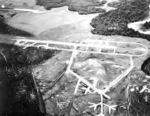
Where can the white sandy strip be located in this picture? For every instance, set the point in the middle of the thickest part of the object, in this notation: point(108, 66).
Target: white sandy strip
point(137, 25)
point(106, 7)
point(30, 10)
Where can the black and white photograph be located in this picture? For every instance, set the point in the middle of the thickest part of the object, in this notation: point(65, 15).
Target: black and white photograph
point(74, 57)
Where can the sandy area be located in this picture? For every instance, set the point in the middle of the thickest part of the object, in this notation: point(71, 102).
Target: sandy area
point(106, 7)
point(38, 23)
point(56, 18)
point(137, 25)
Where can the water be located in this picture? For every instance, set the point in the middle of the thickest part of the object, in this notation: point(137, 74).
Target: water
point(137, 26)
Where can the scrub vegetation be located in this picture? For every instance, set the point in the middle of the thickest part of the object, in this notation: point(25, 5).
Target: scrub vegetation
point(115, 22)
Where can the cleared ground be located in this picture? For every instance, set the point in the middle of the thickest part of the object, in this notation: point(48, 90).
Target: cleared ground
point(55, 18)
